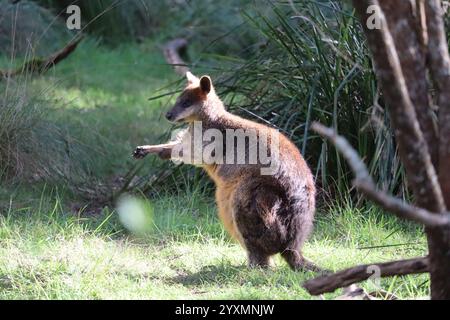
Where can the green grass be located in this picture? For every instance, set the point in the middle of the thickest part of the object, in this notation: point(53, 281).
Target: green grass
point(98, 98)
point(47, 251)
point(104, 93)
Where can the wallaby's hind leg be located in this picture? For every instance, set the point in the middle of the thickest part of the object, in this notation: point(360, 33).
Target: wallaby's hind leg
point(255, 208)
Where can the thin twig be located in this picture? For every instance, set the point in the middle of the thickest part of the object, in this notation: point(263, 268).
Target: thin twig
point(364, 183)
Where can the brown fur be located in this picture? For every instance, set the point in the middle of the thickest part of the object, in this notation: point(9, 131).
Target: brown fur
point(267, 214)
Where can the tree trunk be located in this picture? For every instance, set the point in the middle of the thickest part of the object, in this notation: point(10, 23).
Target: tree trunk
point(439, 61)
point(399, 81)
point(405, 24)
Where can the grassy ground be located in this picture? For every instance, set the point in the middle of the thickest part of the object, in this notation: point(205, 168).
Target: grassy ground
point(47, 251)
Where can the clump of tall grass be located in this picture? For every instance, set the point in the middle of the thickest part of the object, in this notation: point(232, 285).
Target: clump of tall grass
point(34, 146)
point(314, 66)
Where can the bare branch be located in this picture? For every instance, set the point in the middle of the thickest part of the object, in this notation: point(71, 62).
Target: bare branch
point(344, 278)
point(172, 53)
point(40, 66)
point(364, 183)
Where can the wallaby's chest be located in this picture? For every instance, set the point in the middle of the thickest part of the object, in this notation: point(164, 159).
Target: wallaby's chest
point(225, 194)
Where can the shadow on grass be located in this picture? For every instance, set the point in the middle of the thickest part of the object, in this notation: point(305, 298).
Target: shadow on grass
point(212, 274)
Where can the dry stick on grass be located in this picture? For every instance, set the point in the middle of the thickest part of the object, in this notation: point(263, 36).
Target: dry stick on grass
point(40, 66)
point(330, 283)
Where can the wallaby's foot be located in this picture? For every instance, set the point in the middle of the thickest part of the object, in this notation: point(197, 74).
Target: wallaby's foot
point(299, 263)
point(140, 152)
point(257, 260)
point(311, 266)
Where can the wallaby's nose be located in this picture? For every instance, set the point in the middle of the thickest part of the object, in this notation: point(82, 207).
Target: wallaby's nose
point(169, 116)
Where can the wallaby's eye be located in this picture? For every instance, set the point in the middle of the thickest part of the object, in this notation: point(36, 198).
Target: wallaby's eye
point(186, 104)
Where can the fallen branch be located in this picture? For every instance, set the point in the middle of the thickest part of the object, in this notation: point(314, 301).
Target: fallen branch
point(172, 53)
point(40, 66)
point(329, 283)
point(364, 183)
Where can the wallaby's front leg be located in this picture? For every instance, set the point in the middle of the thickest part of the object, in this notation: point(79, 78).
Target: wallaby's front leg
point(164, 151)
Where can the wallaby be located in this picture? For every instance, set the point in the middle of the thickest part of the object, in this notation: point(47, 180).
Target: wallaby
point(267, 213)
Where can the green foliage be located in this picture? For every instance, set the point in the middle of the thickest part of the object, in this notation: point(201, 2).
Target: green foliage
point(116, 20)
point(314, 66)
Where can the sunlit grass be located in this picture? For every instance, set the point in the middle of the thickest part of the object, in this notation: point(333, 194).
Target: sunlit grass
point(51, 253)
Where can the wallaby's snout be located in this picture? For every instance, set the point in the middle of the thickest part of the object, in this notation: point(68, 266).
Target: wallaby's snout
point(170, 116)
point(176, 114)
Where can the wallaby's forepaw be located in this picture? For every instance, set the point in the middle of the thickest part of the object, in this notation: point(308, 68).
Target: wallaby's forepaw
point(139, 153)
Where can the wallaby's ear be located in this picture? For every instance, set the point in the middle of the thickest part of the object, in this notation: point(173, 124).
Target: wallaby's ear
point(191, 78)
point(205, 84)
